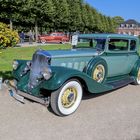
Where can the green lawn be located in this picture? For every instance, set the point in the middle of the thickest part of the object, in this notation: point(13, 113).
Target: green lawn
point(8, 55)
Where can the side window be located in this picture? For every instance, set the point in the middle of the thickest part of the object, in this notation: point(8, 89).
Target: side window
point(52, 34)
point(133, 45)
point(84, 43)
point(118, 45)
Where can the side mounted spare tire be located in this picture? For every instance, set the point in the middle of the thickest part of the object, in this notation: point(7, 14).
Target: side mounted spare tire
point(97, 69)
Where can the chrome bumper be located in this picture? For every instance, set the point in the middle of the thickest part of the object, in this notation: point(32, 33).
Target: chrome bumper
point(18, 95)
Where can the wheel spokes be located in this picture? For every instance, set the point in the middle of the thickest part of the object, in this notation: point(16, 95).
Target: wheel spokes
point(69, 97)
point(99, 73)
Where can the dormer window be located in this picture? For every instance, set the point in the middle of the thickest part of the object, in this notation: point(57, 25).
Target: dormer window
point(133, 25)
point(122, 25)
point(127, 25)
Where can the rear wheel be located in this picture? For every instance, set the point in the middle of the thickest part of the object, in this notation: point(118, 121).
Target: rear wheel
point(137, 78)
point(66, 99)
point(63, 41)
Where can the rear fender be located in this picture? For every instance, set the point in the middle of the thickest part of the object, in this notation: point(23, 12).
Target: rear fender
point(135, 69)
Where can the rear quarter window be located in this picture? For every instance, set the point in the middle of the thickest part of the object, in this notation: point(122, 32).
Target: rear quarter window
point(133, 45)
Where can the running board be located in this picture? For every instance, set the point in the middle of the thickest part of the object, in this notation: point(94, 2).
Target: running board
point(121, 83)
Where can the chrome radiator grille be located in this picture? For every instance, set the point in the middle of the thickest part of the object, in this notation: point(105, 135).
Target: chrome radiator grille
point(39, 64)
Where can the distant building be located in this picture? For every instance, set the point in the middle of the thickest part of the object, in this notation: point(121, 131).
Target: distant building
point(131, 27)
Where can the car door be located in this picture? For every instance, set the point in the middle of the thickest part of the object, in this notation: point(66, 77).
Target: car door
point(59, 37)
point(117, 56)
point(133, 55)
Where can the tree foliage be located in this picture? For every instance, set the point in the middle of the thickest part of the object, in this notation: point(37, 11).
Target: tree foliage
point(117, 20)
point(56, 15)
point(8, 37)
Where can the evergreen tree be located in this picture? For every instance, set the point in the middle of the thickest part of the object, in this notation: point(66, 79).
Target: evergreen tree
point(61, 14)
point(75, 19)
point(118, 20)
point(111, 25)
point(64, 15)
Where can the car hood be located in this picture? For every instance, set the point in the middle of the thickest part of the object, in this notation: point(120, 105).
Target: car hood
point(70, 53)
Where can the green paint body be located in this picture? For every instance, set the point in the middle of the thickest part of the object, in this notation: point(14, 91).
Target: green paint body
point(79, 63)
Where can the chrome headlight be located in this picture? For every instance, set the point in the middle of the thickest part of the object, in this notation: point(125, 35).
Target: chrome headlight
point(28, 66)
point(15, 64)
point(47, 74)
point(28, 63)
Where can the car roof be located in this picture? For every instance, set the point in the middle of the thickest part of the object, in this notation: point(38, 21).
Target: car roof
point(102, 35)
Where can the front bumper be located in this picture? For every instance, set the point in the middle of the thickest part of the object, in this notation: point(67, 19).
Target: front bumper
point(19, 95)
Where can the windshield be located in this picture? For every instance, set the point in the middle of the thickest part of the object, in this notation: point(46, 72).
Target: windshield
point(96, 43)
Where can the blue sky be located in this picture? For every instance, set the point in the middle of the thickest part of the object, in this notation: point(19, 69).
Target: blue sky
point(128, 9)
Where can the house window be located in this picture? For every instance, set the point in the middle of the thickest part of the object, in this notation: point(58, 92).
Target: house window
point(122, 25)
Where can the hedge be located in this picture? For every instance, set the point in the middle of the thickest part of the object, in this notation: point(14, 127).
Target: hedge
point(8, 37)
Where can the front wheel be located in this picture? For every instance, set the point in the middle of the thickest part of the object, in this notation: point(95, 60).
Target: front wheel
point(63, 41)
point(66, 99)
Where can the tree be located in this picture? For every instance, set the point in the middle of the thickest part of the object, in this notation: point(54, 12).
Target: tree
point(38, 12)
point(88, 18)
point(118, 20)
point(111, 25)
point(9, 10)
point(61, 14)
point(64, 15)
point(75, 20)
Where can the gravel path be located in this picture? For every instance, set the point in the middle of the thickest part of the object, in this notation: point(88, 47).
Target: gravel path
point(112, 116)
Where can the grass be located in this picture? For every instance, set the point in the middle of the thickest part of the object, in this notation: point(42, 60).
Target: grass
point(8, 55)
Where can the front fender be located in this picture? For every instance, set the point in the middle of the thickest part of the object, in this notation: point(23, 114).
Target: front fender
point(21, 65)
point(62, 74)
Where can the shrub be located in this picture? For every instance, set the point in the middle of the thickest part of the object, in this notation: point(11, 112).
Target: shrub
point(8, 37)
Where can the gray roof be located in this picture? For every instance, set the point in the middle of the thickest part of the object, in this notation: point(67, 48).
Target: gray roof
point(131, 21)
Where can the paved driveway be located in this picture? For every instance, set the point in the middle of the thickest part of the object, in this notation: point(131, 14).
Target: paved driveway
point(112, 116)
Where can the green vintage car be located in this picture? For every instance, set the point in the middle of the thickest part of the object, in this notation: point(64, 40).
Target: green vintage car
point(96, 64)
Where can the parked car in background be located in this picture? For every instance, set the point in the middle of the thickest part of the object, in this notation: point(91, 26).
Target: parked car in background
point(98, 63)
point(56, 37)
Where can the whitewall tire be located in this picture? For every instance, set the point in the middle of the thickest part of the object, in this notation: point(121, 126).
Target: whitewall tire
point(138, 77)
point(66, 99)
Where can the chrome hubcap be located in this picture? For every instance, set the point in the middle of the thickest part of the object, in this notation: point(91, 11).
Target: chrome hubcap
point(69, 97)
point(99, 73)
